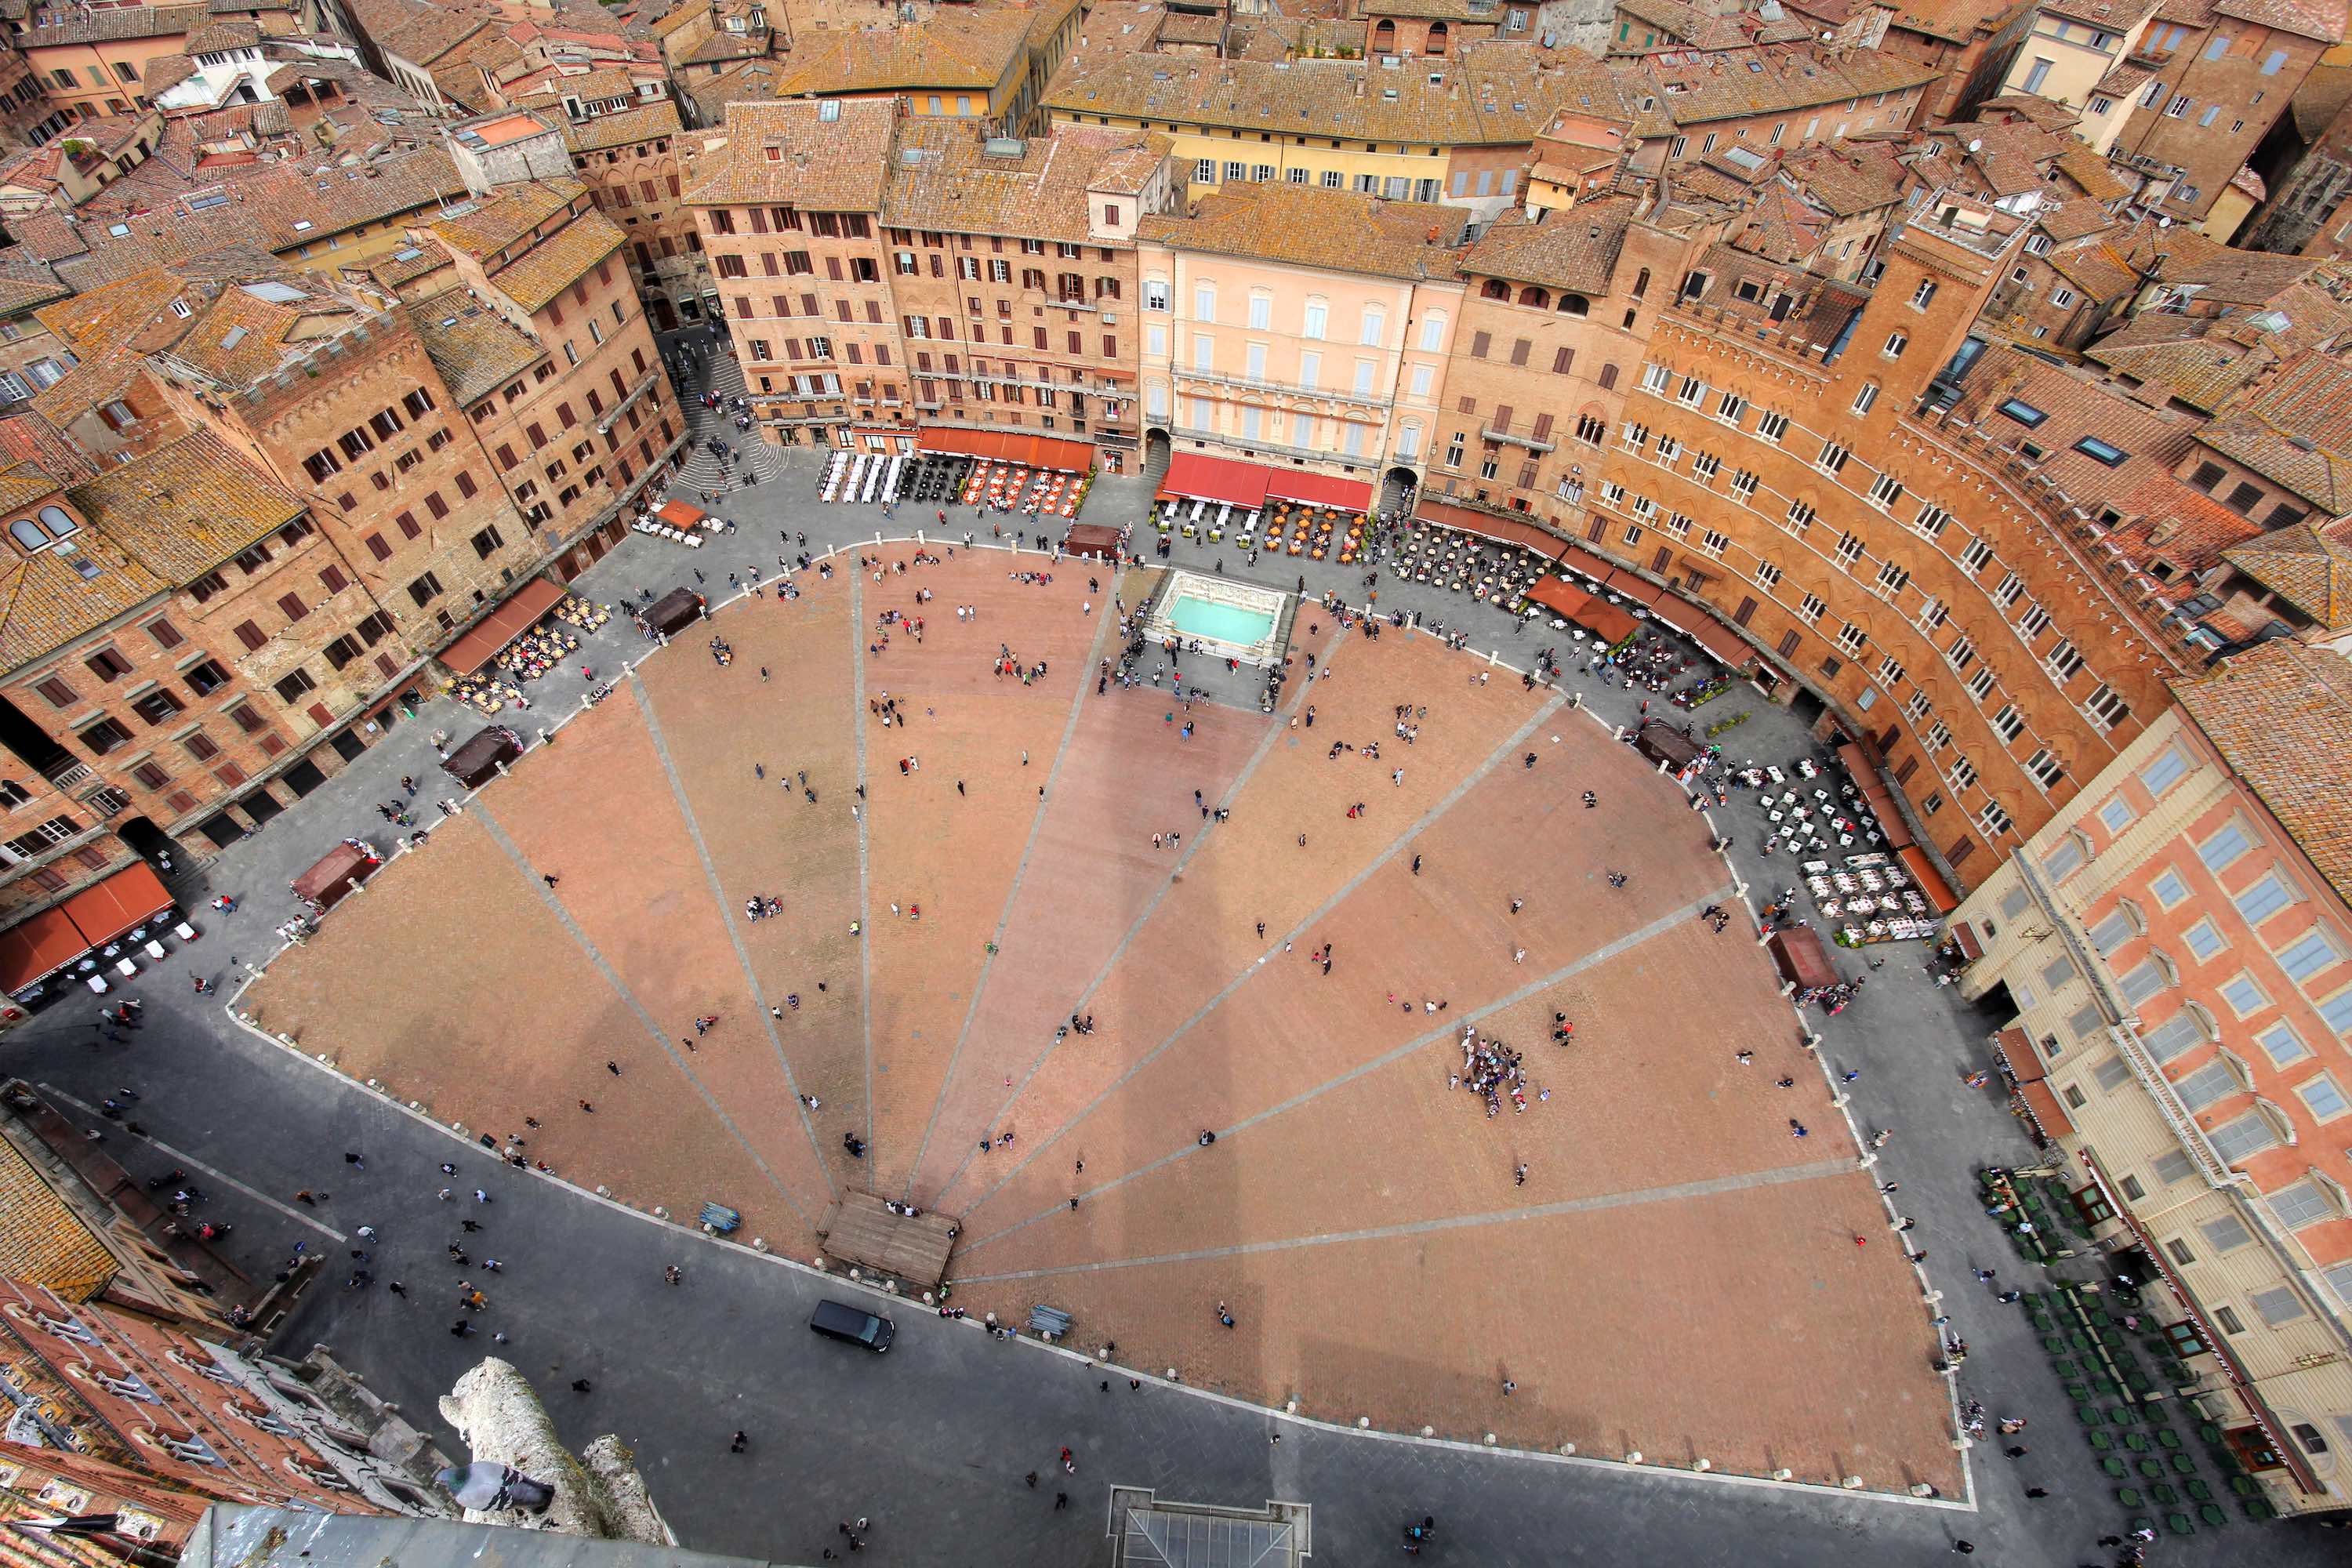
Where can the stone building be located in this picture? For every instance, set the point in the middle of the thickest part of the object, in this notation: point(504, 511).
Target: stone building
point(201, 1418)
point(1900, 564)
point(1305, 327)
point(1050, 344)
point(2176, 949)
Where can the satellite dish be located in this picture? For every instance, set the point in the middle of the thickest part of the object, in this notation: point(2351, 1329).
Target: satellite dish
point(1976, 143)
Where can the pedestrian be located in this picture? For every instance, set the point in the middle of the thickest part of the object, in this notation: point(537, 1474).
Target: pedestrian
point(1032, 1478)
point(1061, 1502)
point(585, 1106)
point(347, 1159)
point(581, 1385)
point(480, 1196)
point(550, 879)
point(2037, 1491)
point(614, 1068)
point(1224, 1316)
point(737, 1444)
point(2016, 1450)
point(396, 1288)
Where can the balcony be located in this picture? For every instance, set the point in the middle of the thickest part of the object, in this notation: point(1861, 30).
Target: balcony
point(1281, 388)
point(67, 774)
point(1250, 444)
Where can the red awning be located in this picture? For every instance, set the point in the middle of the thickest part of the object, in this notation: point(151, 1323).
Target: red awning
point(1931, 882)
point(1964, 936)
point(1485, 525)
point(1199, 477)
point(1589, 562)
point(126, 899)
point(1631, 586)
point(1720, 642)
point(678, 515)
point(1606, 621)
point(1008, 447)
point(1320, 490)
point(2017, 1054)
point(38, 947)
point(502, 625)
point(1554, 594)
point(2043, 1107)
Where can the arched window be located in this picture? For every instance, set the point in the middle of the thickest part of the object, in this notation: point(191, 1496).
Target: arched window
point(1608, 377)
point(1540, 297)
point(1384, 37)
point(1574, 305)
point(1495, 289)
point(58, 522)
point(1642, 284)
point(28, 534)
point(1437, 36)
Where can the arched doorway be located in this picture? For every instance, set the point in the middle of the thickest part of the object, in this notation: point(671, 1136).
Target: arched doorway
point(151, 844)
point(1396, 485)
point(1157, 450)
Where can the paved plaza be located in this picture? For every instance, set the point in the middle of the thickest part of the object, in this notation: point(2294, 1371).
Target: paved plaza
point(1027, 851)
point(1678, 1275)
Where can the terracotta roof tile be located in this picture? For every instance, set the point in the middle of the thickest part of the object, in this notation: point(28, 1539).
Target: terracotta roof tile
point(2076, 407)
point(1574, 251)
point(186, 506)
point(475, 349)
point(113, 24)
point(623, 127)
point(1307, 226)
point(42, 1241)
point(789, 152)
point(2280, 716)
point(954, 49)
point(939, 178)
point(1494, 96)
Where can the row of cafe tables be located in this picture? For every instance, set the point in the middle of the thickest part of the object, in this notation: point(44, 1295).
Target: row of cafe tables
point(90, 935)
point(1302, 514)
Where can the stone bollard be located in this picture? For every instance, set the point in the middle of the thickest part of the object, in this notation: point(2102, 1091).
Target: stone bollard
point(660, 1213)
point(1634, 1457)
point(1567, 1449)
point(1429, 1431)
point(1291, 1407)
point(1840, 1101)
point(1852, 1483)
point(818, 1263)
point(1490, 1439)
point(604, 1192)
point(458, 1128)
point(760, 1244)
point(1702, 1466)
point(857, 1274)
point(1363, 1423)
point(1784, 1474)
point(1921, 1489)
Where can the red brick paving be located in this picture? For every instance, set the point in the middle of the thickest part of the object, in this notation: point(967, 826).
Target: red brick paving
point(1252, 869)
point(1743, 1327)
point(599, 812)
point(1738, 1324)
point(767, 840)
point(451, 982)
point(1092, 875)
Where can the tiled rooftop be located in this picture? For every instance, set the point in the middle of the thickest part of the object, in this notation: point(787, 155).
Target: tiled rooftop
point(475, 349)
point(186, 506)
point(1307, 226)
point(2281, 715)
point(115, 24)
point(1573, 250)
point(941, 179)
point(42, 1241)
point(789, 152)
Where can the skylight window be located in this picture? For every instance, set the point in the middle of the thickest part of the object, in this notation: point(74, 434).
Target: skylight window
point(2024, 413)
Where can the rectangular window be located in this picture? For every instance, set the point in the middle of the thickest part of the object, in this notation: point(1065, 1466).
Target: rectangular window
point(2312, 952)
point(2260, 899)
point(2140, 982)
point(2248, 1135)
point(2204, 940)
point(2224, 848)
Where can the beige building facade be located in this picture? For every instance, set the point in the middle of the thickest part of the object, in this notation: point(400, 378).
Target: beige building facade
point(2180, 967)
